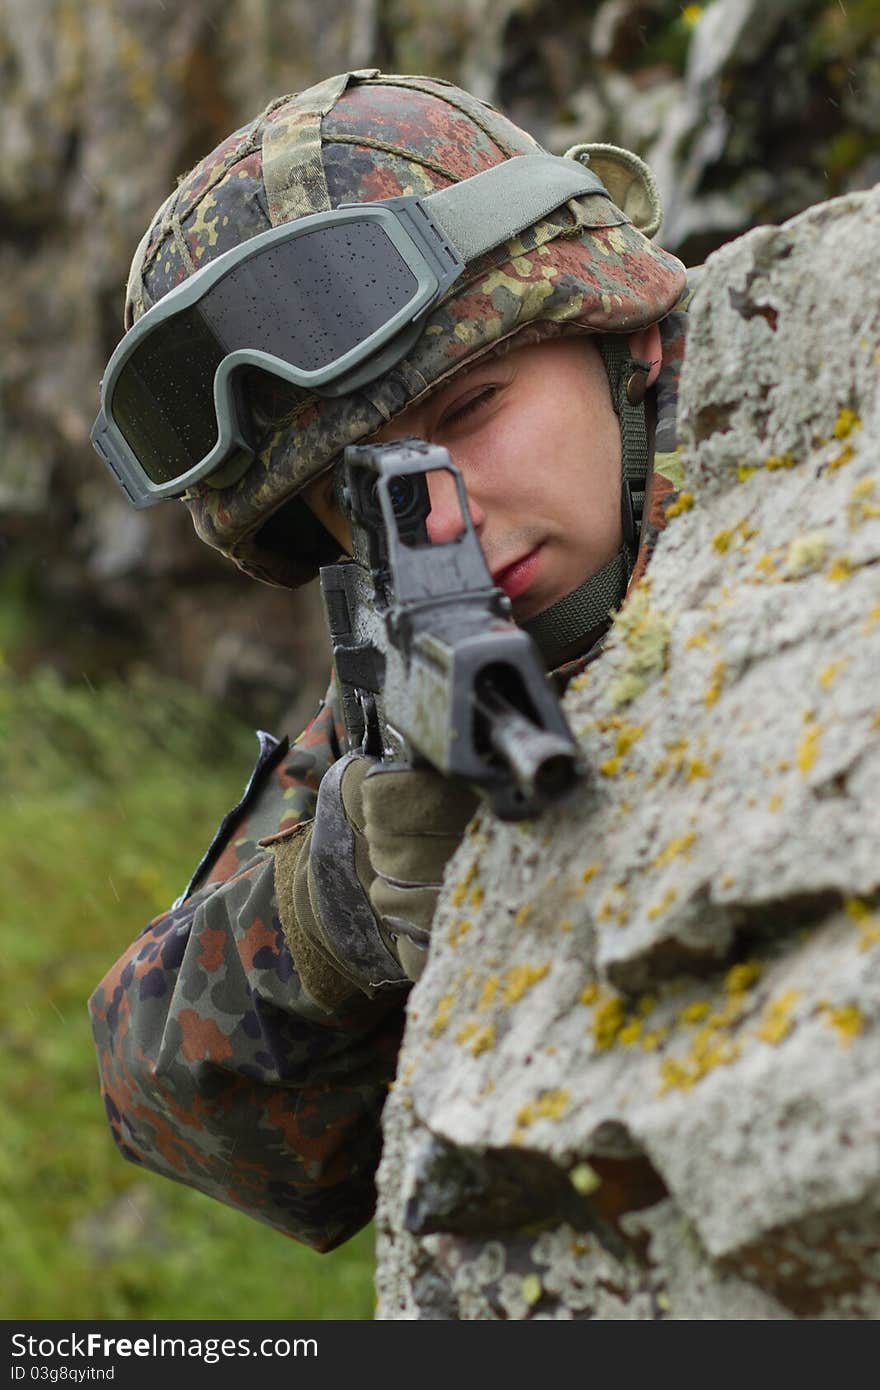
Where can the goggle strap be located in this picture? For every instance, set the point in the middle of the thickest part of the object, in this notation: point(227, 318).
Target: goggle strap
point(490, 208)
point(585, 609)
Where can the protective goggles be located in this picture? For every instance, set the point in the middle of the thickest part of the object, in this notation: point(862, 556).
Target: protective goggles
point(328, 302)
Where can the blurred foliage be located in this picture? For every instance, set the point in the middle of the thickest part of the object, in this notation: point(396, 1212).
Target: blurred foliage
point(110, 796)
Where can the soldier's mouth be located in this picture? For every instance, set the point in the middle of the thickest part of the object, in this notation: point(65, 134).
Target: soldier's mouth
point(517, 577)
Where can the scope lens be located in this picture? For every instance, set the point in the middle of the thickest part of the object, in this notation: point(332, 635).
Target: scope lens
point(401, 493)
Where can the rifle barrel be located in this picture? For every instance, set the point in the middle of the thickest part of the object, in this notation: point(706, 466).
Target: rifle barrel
point(544, 765)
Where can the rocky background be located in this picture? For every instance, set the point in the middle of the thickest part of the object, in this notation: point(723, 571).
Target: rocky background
point(641, 1072)
point(749, 111)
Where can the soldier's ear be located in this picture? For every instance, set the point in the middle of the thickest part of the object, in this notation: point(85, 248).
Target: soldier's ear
point(646, 345)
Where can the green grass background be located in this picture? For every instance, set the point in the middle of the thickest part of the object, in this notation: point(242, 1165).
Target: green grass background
point(108, 798)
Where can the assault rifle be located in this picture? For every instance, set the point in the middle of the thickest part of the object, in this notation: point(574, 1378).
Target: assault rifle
point(430, 662)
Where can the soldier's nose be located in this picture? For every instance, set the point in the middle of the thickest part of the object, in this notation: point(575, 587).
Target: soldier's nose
point(445, 521)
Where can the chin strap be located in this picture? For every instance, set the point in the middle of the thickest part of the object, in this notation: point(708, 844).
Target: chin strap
point(576, 617)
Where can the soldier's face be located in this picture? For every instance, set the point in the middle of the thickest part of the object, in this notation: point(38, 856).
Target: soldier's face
point(537, 442)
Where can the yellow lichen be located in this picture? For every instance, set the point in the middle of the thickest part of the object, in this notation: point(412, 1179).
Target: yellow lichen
point(863, 505)
point(477, 896)
point(590, 872)
point(458, 930)
point(846, 1019)
point(846, 454)
point(488, 992)
point(777, 1022)
point(846, 422)
point(466, 1032)
point(696, 768)
point(683, 503)
point(808, 749)
point(742, 977)
point(766, 564)
point(862, 913)
point(713, 690)
point(744, 472)
point(531, 1289)
point(680, 844)
point(549, 1106)
point(828, 675)
point(776, 461)
point(805, 554)
point(607, 1022)
point(611, 908)
point(857, 909)
point(483, 1040)
point(740, 534)
point(775, 801)
point(869, 933)
point(658, 908)
point(644, 631)
point(584, 1179)
point(590, 993)
point(523, 914)
point(552, 1104)
point(520, 978)
point(628, 735)
point(839, 570)
point(711, 1047)
point(695, 1012)
point(646, 1004)
point(629, 1033)
point(674, 1076)
point(872, 619)
point(610, 767)
point(566, 924)
point(459, 892)
point(656, 1038)
point(441, 1017)
point(626, 687)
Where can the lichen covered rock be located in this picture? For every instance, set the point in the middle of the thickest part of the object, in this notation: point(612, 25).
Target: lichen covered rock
point(640, 1073)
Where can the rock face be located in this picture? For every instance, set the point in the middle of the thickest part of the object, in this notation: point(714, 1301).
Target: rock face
point(640, 1072)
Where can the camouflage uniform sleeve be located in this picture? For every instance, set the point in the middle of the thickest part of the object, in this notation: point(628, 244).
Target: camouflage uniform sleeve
point(217, 1068)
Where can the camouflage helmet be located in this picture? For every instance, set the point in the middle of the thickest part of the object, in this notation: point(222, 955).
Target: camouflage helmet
point(360, 137)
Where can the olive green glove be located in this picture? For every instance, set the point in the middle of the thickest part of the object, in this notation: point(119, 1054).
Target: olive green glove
point(357, 892)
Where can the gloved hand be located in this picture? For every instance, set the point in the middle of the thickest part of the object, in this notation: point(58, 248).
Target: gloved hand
point(357, 892)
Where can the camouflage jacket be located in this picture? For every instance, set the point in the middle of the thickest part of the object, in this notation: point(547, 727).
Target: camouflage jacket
point(217, 1068)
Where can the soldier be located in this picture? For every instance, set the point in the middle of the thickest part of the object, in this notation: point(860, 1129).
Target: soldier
point(246, 1039)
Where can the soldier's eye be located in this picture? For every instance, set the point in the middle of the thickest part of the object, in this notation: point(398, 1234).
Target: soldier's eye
point(467, 405)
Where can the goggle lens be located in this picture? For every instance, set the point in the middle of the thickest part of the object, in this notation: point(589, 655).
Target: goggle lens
point(163, 400)
point(307, 301)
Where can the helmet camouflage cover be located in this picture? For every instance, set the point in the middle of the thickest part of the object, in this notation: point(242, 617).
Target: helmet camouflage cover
point(360, 137)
